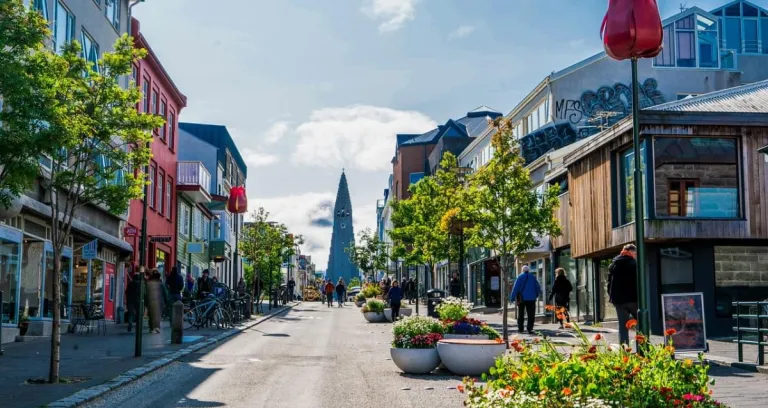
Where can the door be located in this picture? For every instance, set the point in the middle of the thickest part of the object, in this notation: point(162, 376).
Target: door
point(493, 283)
point(109, 291)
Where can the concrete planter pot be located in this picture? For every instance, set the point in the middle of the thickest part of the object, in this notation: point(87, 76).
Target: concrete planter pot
point(415, 361)
point(359, 303)
point(465, 336)
point(374, 317)
point(469, 357)
point(404, 311)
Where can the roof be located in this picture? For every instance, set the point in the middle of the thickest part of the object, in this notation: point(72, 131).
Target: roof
point(751, 98)
point(474, 124)
point(216, 135)
point(141, 42)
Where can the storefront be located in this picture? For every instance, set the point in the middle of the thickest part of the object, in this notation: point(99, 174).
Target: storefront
point(10, 269)
point(95, 281)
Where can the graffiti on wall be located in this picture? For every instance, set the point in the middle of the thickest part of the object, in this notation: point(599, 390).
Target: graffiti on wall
point(573, 118)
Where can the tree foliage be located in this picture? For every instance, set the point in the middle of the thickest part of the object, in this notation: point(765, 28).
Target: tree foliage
point(266, 245)
point(369, 254)
point(510, 216)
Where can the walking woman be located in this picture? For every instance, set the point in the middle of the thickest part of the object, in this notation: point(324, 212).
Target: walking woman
point(340, 289)
point(156, 299)
point(561, 291)
point(395, 296)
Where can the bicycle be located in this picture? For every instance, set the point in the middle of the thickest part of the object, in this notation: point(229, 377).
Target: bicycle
point(209, 309)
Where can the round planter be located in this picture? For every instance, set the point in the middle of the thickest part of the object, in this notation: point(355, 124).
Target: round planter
point(404, 311)
point(375, 317)
point(469, 357)
point(465, 336)
point(359, 303)
point(415, 361)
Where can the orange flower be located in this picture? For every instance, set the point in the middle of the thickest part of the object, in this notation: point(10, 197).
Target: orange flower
point(598, 337)
point(560, 316)
point(536, 369)
point(568, 326)
point(587, 357)
point(670, 349)
point(640, 339)
point(499, 340)
point(550, 308)
point(508, 388)
point(567, 391)
point(515, 376)
point(625, 360)
point(460, 387)
point(536, 340)
point(631, 324)
point(670, 332)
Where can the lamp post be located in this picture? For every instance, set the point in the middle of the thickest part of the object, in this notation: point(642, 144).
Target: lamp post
point(462, 173)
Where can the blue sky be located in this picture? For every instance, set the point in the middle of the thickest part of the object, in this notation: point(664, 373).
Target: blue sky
point(308, 87)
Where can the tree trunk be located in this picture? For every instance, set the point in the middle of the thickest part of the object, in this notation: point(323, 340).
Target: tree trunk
point(53, 373)
point(504, 301)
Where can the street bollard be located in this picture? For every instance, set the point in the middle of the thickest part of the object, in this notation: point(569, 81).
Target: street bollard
point(177, 331)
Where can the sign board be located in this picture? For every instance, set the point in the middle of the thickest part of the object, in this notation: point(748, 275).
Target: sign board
point(684, 312)
point(302, 262)
point(495, 283)
point(161, 238)
point(90, 250)
point(130, 231)
point(195, 247)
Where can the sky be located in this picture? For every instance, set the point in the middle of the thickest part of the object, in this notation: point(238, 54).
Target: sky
point(310, 87)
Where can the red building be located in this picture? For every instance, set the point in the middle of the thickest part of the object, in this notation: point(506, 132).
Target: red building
point(160, 97)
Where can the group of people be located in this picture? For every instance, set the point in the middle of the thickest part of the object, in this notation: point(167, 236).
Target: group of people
point(329, 289)
point(622, 292)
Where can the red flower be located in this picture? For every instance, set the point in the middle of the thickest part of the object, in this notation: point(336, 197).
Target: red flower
point(567, 391)
point(536, 369)
point(592, 350)
point(587, 357)
point(640, 339)
point(598, 337)
point(670, 332)
point(632, 29)
point(625, 360)
point(631, 324)
point(460, 387)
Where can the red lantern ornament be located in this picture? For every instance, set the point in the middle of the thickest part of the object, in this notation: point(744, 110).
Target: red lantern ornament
point(632, 29)
point(238, 202)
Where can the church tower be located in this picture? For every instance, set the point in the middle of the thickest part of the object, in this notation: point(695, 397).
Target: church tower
point(339, 265)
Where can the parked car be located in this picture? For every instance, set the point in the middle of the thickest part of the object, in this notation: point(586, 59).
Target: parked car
point(352, 293)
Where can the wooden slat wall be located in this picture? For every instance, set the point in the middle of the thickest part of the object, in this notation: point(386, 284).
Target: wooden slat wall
point(563, 215)
point(589, 179)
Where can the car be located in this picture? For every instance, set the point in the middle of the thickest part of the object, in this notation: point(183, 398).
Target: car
point(352, 293)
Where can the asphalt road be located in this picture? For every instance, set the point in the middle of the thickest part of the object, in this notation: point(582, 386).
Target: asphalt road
point(313, 356)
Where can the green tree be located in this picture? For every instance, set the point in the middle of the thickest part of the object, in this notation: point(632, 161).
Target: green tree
point(27, 89)
point(510, 216)
point(354, 282)
point(369, 254)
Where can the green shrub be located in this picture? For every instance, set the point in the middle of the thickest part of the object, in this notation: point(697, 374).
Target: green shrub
point(417, 332)
point(370, 290)
point(592, 374)
point(360, 297)
point(374, 306)
point(453, 309)
point(490, 332)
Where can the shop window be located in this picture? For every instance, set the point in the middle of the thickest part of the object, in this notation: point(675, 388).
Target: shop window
point(9, 278)
point(31, 278)
point(97, 282)
point(626, 183)
point(696, 177)
point(676, 271)
point(160, 261)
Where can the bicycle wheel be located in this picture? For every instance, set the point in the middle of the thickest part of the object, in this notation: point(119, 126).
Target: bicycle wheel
point(194, 317)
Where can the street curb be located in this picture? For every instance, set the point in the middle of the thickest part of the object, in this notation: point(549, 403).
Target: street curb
point(726, 362)
point(90, 394)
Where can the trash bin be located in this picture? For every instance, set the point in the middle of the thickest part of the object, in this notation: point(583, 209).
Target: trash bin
point(434, 298)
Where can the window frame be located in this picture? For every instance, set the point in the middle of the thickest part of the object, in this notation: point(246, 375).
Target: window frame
point(146, 90)
point(682, 199)
point(184, 219)
point(163, 113)
point(69, 26)
point(93, 49)
point(114, 19)
point(169, 197)
point(171, 129)
point(161, 192)
point(152, 182)
point(621, 187)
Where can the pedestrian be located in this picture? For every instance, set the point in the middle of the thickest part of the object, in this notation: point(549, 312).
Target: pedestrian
point(258, 286)
point(175, 283)
point(189, 286)
point(455, 286)
point(329, 288)
point(525, 293)
point(561, 292)
point(133, 296)
point(204, 285)
point(340, 289)
point(156, 300)
point(622, 288)
point(410, 290)
point(241, 287)
point(395, 296)
point(383, 288)
point(291, 287)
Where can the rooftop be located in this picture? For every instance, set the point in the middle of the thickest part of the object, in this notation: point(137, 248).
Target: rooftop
point(750, 98)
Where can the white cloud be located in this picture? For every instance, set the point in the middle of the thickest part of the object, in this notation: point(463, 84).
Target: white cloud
point(258, 158)
point(462, 32)
point(359, 136)
point(276, 132)
point(392, 13)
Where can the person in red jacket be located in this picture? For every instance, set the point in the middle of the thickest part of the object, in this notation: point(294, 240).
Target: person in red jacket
point(329, 288)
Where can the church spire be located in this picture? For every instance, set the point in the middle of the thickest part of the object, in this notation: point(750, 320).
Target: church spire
point(339, 264)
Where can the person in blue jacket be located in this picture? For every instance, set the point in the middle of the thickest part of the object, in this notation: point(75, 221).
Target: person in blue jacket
point(525, 293)
point(395, 296)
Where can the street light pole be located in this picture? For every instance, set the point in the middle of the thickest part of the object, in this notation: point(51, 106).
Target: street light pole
point(142, 264)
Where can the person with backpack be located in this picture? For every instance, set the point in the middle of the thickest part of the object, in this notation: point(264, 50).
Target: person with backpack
point(622, 288)
point(524, 293)
point(329, 288)
point(561, 292)
point(340, 289)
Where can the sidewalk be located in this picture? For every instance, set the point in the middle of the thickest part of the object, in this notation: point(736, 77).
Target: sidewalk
point(91, 360)
point(721, 352)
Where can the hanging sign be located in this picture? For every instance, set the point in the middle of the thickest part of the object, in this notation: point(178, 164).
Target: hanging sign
point(684, 312)
point(130, 231)
point(90, 250)
point(161, 238)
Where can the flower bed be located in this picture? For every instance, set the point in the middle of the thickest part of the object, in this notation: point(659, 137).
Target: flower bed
point(413, 347)
point(453, 309)
point(373, 311)
point(470, 327)
point(592, 374)
point(370, 290)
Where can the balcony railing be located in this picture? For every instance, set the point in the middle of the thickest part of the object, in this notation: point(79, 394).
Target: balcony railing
point(193, 178)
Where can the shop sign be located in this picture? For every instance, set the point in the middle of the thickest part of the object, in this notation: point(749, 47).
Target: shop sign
point(302, 262)
point(161, 238)
point(195, 247)
point(684, 312)
point(90, 250)
point(130, 231)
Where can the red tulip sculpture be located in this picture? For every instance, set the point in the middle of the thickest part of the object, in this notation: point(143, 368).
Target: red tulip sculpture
point(632, 29)
point(238, 202)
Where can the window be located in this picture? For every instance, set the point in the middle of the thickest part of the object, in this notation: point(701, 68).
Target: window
point(666, 57)
point(63, 28)
point(708, 49)
point(172, 131)
point(676, 270)
point(160, 194)
point(196, 223)
point(152, 175)
point(627, 186)
point(154, 102)
point(168, 195)
point(42, 7)
point(686, 42)
point(89, 50)
point(751, 42)
point(696, 177)
point(184, 220)
point(414, 178)
point(164, 129)
point(112, 12)
point(206, 229)
point(145, 95)
point(733, 34)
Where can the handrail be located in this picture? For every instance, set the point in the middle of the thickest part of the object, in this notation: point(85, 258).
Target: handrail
point(761, 321)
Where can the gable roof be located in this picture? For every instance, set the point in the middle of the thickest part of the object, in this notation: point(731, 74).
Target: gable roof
point(217, 135)
point(751, 98)
point(474, 124)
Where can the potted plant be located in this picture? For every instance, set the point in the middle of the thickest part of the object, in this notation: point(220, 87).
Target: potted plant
point(413, 347)
point(370, 291)
point(468, 328)
point(373, 311)
point(469, 356)
point(360, 299)
point(23, 324)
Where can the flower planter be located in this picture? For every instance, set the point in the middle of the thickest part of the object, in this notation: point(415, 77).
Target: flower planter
point(404, 311)
point(465, 336)
point(375, 317)
point(359, 303)
point(469, 357)
point(415, 361)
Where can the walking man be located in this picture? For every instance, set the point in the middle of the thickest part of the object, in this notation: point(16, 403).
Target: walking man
point(525, 293)
point(455, 286)
point(291, 286)
point(410, 290)
point(395, 296)
point(340, 289)
point(622, 288)
point(329, 288)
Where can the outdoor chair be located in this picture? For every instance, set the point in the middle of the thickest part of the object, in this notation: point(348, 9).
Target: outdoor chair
point(93, 315)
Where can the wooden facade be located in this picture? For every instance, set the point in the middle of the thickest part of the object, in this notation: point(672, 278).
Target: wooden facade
point(563, 215)
point(591, 223)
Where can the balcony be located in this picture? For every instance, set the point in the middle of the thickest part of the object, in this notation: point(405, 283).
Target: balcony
point(193, 180)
